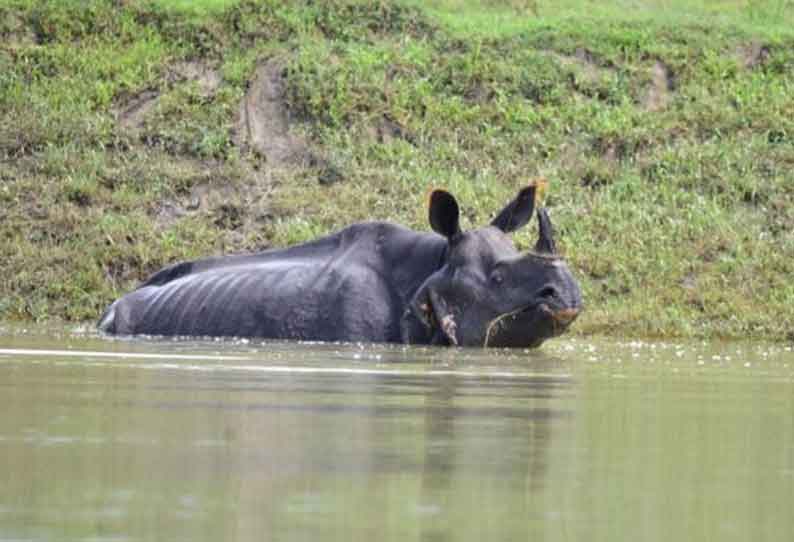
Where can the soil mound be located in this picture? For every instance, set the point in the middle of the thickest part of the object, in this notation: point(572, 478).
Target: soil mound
point(753, 55)
point(131, 115)
point(263, 122)
point(660, 90)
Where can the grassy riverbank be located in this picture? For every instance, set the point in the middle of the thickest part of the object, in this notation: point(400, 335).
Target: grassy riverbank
point(131, 137)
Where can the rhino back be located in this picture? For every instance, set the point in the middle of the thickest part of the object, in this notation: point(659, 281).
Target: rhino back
point(342, 287)
point(294, 300)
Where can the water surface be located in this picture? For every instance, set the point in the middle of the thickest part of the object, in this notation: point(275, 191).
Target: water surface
point(105, 439)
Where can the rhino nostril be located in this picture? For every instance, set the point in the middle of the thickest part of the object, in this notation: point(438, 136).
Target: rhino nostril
point(548, 292)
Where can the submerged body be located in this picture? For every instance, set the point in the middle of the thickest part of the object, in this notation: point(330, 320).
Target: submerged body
point(344, 287)
point(373, 282)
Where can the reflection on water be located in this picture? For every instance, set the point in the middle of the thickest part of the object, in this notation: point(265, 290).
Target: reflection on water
point(216, 440)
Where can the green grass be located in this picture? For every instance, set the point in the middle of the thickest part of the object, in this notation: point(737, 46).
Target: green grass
point(201, 8)
point(674, 211)
point(499, 18)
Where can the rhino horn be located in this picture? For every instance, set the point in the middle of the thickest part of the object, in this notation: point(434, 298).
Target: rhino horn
point(545, 244)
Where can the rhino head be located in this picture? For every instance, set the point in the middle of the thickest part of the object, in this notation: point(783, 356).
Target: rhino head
point(486, 293)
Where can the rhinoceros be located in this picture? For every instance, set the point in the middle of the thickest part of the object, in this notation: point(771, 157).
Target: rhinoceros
point(372, 282)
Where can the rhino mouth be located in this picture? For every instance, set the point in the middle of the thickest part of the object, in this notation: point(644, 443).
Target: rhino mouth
point(528, 326)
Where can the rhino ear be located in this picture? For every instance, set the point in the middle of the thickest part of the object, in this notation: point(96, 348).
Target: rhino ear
point(518, 212)
point(444, 213)
point(545, 244)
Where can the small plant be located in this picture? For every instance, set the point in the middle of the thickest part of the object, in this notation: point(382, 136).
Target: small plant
point(80, 190)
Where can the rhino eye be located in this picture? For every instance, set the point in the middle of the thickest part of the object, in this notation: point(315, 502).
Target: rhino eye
point(497, 277)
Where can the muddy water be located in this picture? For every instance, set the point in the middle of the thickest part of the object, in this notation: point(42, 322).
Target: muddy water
point(583, 440)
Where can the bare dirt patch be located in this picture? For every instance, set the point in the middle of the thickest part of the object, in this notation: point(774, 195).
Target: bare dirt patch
point(586, 63)
point(588, 74)
point(131, 114)
point(263, 120)
point(240, 206)
point(167, 214)
point(386, 130)
point(243, 204)
point(16, 33)
point(753, 55)
point(660, 90)
point(207, 77)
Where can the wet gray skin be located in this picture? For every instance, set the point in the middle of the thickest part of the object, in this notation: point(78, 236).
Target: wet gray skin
point(371, 282)
point(489, 294)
